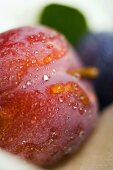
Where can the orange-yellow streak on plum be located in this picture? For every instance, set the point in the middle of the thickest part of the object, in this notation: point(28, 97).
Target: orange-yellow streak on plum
point(84, 98)
point(59, 88)
point(48, 59)
point(70, 87)
point(26, 64)
point(85, 72)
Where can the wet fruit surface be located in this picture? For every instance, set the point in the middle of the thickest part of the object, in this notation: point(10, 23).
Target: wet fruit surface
point(97, 50)
point(45, 112)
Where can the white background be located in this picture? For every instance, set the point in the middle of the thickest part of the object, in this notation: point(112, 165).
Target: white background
point(15, 13)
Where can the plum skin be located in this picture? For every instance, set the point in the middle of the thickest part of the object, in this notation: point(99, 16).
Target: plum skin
point(45, 113)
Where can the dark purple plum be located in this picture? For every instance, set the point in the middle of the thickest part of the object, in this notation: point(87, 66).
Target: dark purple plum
point(97, 50)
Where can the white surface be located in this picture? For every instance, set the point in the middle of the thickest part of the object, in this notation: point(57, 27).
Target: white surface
point(10, 162)
point(15, 13)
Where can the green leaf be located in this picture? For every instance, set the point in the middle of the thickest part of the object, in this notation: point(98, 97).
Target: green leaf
point(66, 20)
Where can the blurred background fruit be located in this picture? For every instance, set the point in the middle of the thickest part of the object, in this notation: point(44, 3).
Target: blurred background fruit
point(97, 50)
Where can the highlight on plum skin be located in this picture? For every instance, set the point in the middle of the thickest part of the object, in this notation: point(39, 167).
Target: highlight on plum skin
point(45, 112)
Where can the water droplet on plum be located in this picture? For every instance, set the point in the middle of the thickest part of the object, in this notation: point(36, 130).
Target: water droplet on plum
point(81, 133)
point(29, 83)
point(74, 107)
point(49, 46)
point(24, 86)
point(53, 72)
point(61, 100)
point(46, 77)
point(81, 110)
point(33, 61)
